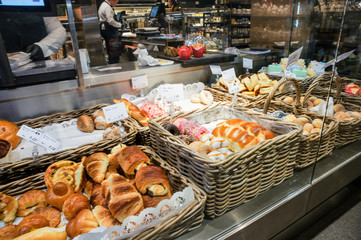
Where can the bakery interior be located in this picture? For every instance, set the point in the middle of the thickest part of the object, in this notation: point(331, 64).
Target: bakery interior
point(236, 65)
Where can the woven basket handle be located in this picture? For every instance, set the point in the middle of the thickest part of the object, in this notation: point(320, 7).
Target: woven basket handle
point(338, 89)
point(312, 86)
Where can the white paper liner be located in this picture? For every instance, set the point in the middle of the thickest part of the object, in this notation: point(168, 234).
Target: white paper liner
point(321, 108)
point(67, 133)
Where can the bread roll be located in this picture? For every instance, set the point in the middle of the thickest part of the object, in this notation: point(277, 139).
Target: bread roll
point(74, 204)
point(340, 116)
point(96, 166)
point(56, 195)
point(316, 130)
point(339, 108)
point(125, 200)
point(29, 201)
point(8, 131)
point(61, 171)
point(312, 99)
point(111, 132)
point(50, 214)
point(8, 232)
point(150, 201)
point(31, 222)
point(318, 101)
point(132, 159)
point(201, 148)
point(302, 121)
point(84, 222)
point(308, 127)
point(290, 118)
point(152, 180)
point(85, 124)
point(45, 233)
point(317, 123)
point(288, 100)
point(99, 120)
point(8, 208)
point(104, 217)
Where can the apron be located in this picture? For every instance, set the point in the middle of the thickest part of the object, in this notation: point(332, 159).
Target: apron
point(19, 30)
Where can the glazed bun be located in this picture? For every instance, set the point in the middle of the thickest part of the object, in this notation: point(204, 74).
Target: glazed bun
point(45, 233)
point(74, 204)
point(8, 131)
point(56, 195)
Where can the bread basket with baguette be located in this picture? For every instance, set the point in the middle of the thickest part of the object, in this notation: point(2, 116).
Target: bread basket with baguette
point(11, 171)
point(242, 175)
point(171, 222)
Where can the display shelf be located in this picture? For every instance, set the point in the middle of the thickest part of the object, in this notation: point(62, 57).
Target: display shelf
point(240, 45)
point(240, 36)
point(241, 25)
point(240, 15)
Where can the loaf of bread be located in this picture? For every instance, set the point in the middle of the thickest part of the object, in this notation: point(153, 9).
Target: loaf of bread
point(30, 223)
point(240, 135)
point(140, 115)
point(8, 208)
point(29, 201)
point(152, 180)
point(124, 199)
point(84, 222)
point(104, 217)
point(131, 159)
point(8, 131)
point(85, 124)
point(74, 204)
point(45, 233)
point(96, 166)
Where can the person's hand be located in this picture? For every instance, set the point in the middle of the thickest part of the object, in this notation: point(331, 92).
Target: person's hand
point(35, 52)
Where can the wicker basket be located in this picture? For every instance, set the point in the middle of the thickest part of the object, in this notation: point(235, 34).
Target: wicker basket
point(17, 170)
point(186, 220)
point(143, 133)
point(242, 175)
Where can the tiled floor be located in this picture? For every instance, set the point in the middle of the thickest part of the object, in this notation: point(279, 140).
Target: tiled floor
point(341, 223)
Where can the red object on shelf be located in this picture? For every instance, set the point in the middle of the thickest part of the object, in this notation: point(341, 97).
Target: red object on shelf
point(198, 51)
point(185, 53)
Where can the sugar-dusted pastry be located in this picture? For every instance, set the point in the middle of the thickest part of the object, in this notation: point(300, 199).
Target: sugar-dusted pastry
point(8, 208)
point(96, 166)
point(206, 138)
point(57, 194)
point(201, 148)
point(152, 180)
point(29, 201)
point(8, 131)
point(216, 156)
point(61, 171)
point(104, 217)
point(84, 222)
point(206, 97)
point(219, 144)
point(131, 159)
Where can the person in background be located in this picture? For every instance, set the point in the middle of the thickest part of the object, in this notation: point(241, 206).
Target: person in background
point(32, 33)
point(109, 30)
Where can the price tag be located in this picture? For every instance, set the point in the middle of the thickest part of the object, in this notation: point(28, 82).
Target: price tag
point(229, 75)
point(172, 92)
point(247, 63)
point(293, 57)
point(140, 82)
point(30, 134)
point(339, 58)
point(319, 68)
point(216, 70)
point(233, 88)
point(115, 112)
point(49, 143)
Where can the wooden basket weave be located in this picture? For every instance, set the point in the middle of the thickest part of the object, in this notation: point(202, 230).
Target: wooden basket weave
point(238, 178)
point(143, 133)
point(186, 220)
point(12, 171)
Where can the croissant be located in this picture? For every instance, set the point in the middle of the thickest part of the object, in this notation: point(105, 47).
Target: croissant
point(30, 223)
point(97, 198)
point(114, 166)
point(140, 115)
point(88, 189)
point(150, 201)
point(96, 166)
point(131, 159)
point(84, 222)
point(8, 232)
point(29, 201)
point(104, 217)
point(8, 208)
point(124, 198)
point(79, 177)
point(152, 180)
point(50, 214)
point(57, 194)
point(106, 189)
point(240, 134)
point(74, 204)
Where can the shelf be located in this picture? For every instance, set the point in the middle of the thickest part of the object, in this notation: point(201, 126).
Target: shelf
point(240, 45)
point(240, 36)
point(215, 23)
point(240, 15)
point(240, 25)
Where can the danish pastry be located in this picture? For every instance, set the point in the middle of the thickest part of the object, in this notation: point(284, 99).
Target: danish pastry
point(206, 97)
point(61, 171)
point(57, 194)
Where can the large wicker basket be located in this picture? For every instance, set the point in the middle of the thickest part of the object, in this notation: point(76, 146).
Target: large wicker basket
point(143, 133)
point(186, 220)
point(12, 171)
point(242, 175)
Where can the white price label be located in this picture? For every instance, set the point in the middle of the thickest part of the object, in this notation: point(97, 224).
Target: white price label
point(49, 143)
point(293, 57)
point(216, 70)
point(228, 75)
point(115, 112)
point(233, 88)
point(172, 92)
point(339, 58)
point(140, 82)
point(319, 68)
point(30, 134)
point(247, 63)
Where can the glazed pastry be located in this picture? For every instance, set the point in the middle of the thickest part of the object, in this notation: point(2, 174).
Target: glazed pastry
point(216, 156)
point(131, 159)
point(99, 120)
point(104, 217)
point(124, 199)
point(153, 110)
point(5, 150)
point(96, 166)
point(152, 180)
point(219, 144)
point(74, 204)
point(171, 128)
point(96, 197)
point(61, 171)
point(8, 131)
point(199, 131)
point(30, 223)
point(50, 214)
point(45, 233)
point(8, 232)
point(206, 138)
point(201, 148)
point(57, 194)
point(85, 124)
point(29, 201)
point(140, 115)
point(8, 208)
point(84, 222)
point(79, 177)
point(195, 98)
point(150, 201)
point(206, 97)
